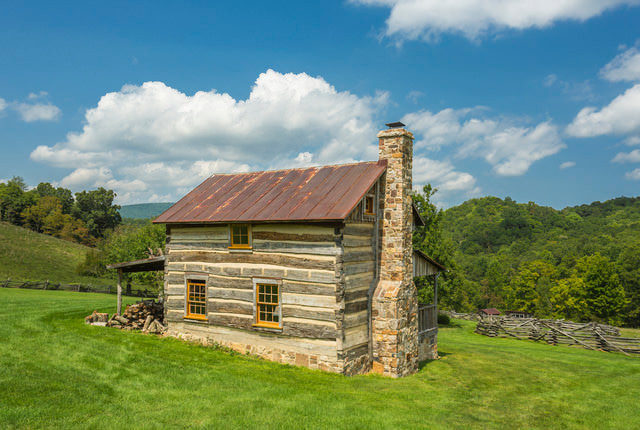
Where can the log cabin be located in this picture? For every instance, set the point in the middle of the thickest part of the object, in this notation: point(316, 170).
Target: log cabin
point(310, 266)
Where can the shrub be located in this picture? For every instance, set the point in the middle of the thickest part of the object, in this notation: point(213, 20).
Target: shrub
point(443, 319)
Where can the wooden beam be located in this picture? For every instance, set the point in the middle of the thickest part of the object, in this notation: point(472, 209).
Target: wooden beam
point(119, 309)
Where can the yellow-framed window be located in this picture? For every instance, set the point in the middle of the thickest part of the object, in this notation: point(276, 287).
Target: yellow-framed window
point(196, 299)
point(240, 235)
point(368, 205)
point(268, 305)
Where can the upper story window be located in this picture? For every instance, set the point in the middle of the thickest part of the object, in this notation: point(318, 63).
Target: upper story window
point(240, 235)
point(369, 208)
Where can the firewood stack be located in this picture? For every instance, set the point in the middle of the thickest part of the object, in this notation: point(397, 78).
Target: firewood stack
point(146, 315)
point(97, 318)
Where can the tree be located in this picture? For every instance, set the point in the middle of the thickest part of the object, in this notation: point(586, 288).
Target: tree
point(14, 199)
point(45, 189)
point(628, 266)
point(568, 299)
point(97, 210)
point(530, 288)
point(126, 243)
point(431, 240)
point(604, 294)
point(34, 216)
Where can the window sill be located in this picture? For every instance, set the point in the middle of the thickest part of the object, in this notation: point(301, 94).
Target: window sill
point(241, 250)
point(195, 319)
point(264, 327)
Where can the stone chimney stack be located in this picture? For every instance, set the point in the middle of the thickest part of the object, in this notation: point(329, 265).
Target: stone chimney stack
point(395, 301)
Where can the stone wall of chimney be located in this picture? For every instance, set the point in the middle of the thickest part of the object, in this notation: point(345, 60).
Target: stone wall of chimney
point(395, 302)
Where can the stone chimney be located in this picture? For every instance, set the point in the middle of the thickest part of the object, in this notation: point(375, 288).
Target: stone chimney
point(395, 300)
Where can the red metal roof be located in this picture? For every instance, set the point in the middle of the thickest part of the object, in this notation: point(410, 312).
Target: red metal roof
point(490, 311)
point(308, 194)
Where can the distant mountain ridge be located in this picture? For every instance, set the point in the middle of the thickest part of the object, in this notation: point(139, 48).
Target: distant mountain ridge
point(144, 210)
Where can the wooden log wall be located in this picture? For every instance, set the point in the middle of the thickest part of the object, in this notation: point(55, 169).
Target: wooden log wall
point(358, 274)
point(306, 259)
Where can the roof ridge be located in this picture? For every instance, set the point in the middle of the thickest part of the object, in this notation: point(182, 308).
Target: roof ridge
point(295, 168)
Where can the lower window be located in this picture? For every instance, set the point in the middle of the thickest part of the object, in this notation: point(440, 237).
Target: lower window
point(196, 299)
point(268, 305)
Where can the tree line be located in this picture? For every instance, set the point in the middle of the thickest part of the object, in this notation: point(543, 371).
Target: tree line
point(85, 217)
point(580, 263)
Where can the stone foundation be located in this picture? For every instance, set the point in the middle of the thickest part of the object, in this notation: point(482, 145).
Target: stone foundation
point(428, 348)
point(265, 346)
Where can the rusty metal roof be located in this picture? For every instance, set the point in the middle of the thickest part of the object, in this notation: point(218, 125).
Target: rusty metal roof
point(325, 193)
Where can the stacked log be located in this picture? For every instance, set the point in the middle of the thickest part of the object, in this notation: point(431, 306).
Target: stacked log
point(97, 318)
point(146, 315)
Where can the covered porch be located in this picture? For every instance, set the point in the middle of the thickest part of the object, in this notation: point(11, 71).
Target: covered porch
point(151, 264)
point(423, 265)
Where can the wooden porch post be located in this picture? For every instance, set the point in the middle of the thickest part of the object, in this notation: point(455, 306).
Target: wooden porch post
point(119, 292)
point(435, 291)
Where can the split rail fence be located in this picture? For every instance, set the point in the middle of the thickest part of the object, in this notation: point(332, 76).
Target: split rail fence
point(560, 332)
point(46, 285)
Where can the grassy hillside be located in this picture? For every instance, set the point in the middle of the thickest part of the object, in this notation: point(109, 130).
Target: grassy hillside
point(57, 372)
point(144, 210)
point(30, 256)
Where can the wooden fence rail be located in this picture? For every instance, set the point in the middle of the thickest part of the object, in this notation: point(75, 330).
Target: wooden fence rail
point(85, 288)
point(559, 332)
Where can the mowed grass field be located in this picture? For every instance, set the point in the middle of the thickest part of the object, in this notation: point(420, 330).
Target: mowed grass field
point(57, 372)
point(29, 256)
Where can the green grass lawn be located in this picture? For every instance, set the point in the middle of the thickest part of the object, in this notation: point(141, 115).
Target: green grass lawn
point(29, 256)
point(57, 372)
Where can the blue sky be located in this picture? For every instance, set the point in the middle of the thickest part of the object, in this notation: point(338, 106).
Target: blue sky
point(534, 100)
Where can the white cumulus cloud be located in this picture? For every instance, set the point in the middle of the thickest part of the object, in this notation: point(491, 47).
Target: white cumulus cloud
point(427, 19)
point(627, 157)
point(633, 175)
point(508, 145)
point(619, 117)
point(624, 67)
point(443, 176)
point(3, 104)
point(31, 112)
point(170, 141)
point(567, 164)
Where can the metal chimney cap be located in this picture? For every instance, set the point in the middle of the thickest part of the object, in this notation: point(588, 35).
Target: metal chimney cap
point(397, 124)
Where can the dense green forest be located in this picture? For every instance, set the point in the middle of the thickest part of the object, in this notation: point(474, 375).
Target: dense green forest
point(580, 263)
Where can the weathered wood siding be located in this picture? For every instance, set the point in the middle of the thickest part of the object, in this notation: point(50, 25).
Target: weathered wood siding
point(358, 273)
point(303, 257)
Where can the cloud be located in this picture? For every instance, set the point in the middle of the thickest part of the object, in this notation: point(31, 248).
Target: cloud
point(575, 90)
point(428, 19)
point(3, 104)
point(508, 145)
point(624, 67)
point(618, 117)
point(443, 176)
point(31, 112)
point(550, 79)
point(633, 175)
point(632, 141)
point(170, 140)
point(414, 96)
point(567, 164)
point(627, 157)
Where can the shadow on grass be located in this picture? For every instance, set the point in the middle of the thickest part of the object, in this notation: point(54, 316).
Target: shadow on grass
point(425, 363)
